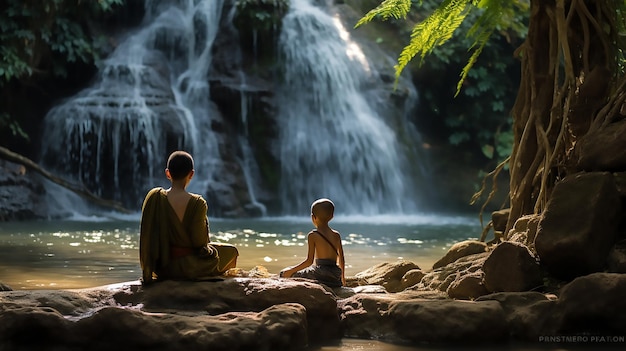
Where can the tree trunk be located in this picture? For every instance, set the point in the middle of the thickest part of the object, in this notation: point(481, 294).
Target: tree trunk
point(78, 189)
point(568, 71)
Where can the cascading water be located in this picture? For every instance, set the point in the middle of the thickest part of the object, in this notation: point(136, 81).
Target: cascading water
point(333, 143)
point(151, 97)
point(247, 161)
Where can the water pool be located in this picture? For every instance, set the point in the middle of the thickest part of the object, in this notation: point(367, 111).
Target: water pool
point(91, 251)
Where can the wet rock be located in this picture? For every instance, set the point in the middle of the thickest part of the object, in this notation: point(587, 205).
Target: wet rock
point(288, 314)
point(528, 314)
point(602, 149)
point(524, 231)
point(388, 275)
point(246, 294)
point(593, 304)
point(511, 267)
point(500, 219)
point(441, 278)
point(412, 277)
point(240, 313)
point(280, 327)
point(579, 225)
point(411, 319)
point(468, 287)
point(461, 249)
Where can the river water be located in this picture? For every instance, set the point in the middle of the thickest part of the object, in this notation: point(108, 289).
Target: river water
point(91, 251)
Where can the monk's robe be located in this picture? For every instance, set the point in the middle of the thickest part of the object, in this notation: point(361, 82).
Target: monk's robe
point(173, 249)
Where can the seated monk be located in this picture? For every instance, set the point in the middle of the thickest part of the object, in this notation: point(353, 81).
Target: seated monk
point(174, 240)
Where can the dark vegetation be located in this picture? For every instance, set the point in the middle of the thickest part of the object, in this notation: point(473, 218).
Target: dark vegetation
point(49, 51)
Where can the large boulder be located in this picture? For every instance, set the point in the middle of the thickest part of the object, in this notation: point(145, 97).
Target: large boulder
point(468, 286)
point(511, 267)
point(389, 275)
point(244, 294)
point(592, 305)
point(231, 314)
point(461, 249)
point(602, 149)
point(524, 230)
point(579, 225)
point(441, 279)
point(108, 328)
point(499, 219)
point(528, 314)
point(409, 318)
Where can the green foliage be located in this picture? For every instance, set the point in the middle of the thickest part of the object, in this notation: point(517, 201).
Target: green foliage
point(479, 38)
point(444, 21)
point(387, 9)
point(261, 14)
point(12, 66)
point(42, 36)
point(38, 39)
point(6, 122)
point(435, 30)
point(504, 143)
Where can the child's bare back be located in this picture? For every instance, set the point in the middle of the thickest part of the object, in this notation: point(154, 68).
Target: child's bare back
point(325, 261)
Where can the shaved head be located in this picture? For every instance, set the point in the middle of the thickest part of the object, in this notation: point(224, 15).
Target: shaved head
point(323, 209)
point(180, 163)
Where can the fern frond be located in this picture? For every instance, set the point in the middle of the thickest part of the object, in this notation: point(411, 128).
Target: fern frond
point(440, 26)
point(433, 31)
point(479, 45)
point(480, 32)
point(388, 8)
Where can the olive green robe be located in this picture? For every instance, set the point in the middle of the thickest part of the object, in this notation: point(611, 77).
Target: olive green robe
point(161, 229)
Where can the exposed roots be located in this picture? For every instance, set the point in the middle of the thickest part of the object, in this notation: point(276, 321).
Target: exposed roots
point(569, 86)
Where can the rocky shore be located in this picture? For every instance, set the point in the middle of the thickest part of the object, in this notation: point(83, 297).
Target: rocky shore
point(271, 313)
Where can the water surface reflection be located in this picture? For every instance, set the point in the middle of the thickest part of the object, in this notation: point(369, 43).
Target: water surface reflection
point(86, 252)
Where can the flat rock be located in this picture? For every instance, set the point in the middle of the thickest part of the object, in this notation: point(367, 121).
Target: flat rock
point(231, 314)
point(410, 318)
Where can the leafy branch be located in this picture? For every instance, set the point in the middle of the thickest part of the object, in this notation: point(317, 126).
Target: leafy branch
point(387, 9)
point(38, 39)
point(33, 33)
point(440, 26)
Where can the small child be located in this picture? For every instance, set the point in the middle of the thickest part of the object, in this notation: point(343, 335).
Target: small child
point(325, 246)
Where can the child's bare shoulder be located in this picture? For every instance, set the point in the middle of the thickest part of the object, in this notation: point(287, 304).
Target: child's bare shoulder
point(311, 234)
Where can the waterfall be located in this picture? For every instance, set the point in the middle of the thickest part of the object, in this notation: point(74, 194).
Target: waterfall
point(151, 97)
point(333, 142)
point(248, 163)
